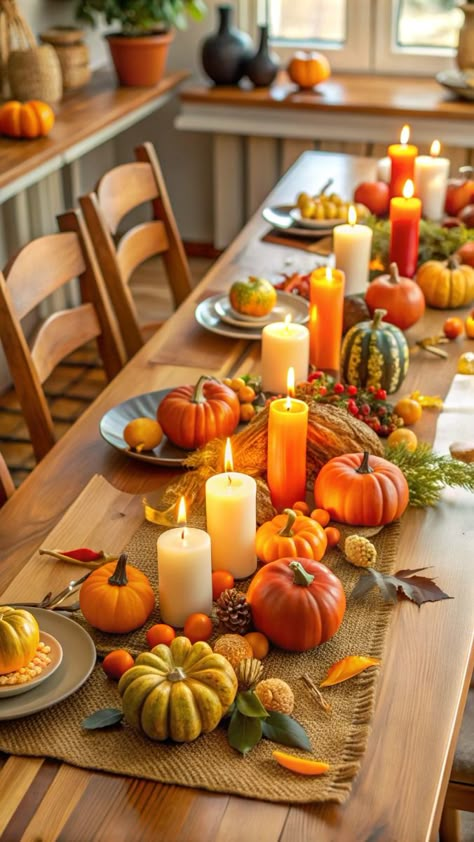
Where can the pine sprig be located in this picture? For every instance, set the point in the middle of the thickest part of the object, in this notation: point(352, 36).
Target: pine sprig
point(427, 472)
point(436, 242)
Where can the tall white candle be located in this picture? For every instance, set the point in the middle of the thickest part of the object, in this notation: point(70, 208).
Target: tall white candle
point(184, 574)
point(284, 345)
point(352, 245)
point(431, 182)
point(231, 518)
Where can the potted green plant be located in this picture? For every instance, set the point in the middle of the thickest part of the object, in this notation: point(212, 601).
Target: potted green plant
point(139, 50)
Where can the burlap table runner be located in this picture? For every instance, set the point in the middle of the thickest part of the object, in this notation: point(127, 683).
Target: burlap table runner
point(339, 737)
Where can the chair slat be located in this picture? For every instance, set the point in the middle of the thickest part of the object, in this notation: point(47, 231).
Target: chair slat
point(139, 244)
point(124, 188)
point(77, 326)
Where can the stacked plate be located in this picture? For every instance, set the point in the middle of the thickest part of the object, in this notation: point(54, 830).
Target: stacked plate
point(217, 315)
point(288, 218)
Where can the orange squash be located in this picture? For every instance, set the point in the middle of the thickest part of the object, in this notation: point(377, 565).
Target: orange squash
point(297, 603)
point(290, 536)
point(308, 68)
point(446, 284)
point(361, 489)
point(192, 415)
point(117, 597)
point(26, 120)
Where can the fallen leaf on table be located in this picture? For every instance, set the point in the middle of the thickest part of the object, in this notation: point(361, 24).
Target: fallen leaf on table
point(347, 668)
point(301, 765)
point(404, 584)
point(102, 719)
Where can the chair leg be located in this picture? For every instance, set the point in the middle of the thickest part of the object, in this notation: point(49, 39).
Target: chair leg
point(450, 825)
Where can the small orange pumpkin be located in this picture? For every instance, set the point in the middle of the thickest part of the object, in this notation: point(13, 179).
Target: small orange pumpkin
point(290, 536)
point(361, 489)
point(117, 597)
point(308, 68)
point(193, 415)
point(27, 120)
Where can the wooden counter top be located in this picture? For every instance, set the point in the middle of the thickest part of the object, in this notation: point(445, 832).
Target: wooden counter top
point(355, 94)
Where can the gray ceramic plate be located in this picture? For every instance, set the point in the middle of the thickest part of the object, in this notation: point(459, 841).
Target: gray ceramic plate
point(56, 656)
point(115, 420)
point(271, 215)
point(208, 316)
point(456, 81)
point(79, 657)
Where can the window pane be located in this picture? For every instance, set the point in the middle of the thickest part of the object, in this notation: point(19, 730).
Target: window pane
point(308, 20)
point(428, 23)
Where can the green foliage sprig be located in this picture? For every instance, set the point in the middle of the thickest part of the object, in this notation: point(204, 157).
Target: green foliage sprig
point(250, 721)
point(436, 242)
point(427, 472)
point(139, 16)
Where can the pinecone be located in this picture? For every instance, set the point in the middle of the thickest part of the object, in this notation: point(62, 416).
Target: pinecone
point(233, 611)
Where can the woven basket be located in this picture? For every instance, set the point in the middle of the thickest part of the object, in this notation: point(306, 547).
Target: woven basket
point(72, 53)
point(35, 74)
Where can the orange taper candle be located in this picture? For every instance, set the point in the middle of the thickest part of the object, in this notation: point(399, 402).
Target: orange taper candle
point(325, 317)
point(405, 213)
point(286, 455)
point(402, 156)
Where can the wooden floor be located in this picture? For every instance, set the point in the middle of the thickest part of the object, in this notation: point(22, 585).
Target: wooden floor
point(74, 384)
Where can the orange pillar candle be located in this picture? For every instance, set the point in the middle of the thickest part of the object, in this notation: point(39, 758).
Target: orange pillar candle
point(405, 213)
point(326, 316)
point(402, 156)
point(286, 455)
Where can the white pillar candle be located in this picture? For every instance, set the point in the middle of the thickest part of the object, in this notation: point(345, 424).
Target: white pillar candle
point(184, 574)
point(284, 345)
point(384, 169)
point(431, 182)
point(352, 245)
point(231, 519)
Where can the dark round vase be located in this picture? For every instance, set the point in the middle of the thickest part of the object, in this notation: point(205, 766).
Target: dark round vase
point(262, 68)
point(225, 53)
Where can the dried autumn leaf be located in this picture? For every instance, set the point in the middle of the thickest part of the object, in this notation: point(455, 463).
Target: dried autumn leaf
point(347, 668)
point(301, 765)
point(404, 584)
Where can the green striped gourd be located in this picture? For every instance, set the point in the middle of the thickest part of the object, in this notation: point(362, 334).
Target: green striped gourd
point(375, 354)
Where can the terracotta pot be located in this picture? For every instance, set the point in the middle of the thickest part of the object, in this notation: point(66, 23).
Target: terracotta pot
point(139, 61)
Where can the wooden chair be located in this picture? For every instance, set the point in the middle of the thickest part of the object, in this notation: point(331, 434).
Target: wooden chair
point(118, 192)
point(460, 793)
point(6, 483)
point(41, 267)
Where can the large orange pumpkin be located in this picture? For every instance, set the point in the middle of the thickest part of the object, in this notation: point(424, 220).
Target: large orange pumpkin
point(297, 603)
point(287, 535)
point(117, 597)
point(29, 119)
point(193, 415)
point(401, 297)
point(361, 489)
point(308, 68)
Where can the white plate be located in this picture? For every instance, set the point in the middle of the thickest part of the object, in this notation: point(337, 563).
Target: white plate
point(114, 421)
point(314, 224)
point(459, 83)
point(270, 215)
point(208, 317)
point(79, 657)
point(56, 656)
point(227, 313)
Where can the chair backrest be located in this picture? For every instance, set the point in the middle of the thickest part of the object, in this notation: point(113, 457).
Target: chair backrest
point(41, 267)
point(6, 483)
point(118, 192)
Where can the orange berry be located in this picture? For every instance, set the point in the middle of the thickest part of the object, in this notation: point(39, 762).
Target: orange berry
point(246, 394)
point(301, 506)
point(333, 535)
point(160, 633)
point(408, 438)
point(247, 411)
point(453, 327)
point(198, 627)
point(321, 516)
point(116, 663)
point(221, 580)
point(408, 409)
point(259, 643)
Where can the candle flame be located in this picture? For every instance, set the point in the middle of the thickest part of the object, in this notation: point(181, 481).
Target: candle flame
point(228, 457)
point(290, 383)
point(408, 189)
point(435, 148)
point(405, 135)
point(182, 515)
point(287, 320)
point(352, 215)
point(328, 273)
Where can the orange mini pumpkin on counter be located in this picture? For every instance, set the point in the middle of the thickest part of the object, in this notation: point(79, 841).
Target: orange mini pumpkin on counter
point(308, 68)
point(26, 120)
point(193, 415)
point(289, 535)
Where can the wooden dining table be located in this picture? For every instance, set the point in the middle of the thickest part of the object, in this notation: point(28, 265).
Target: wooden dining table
point(398, 794)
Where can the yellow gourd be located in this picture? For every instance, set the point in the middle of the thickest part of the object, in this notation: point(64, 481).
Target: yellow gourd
point(446, 284)
point(19, 638)
point(178, 691)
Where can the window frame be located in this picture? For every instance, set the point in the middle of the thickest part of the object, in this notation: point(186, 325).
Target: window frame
point(371, 46)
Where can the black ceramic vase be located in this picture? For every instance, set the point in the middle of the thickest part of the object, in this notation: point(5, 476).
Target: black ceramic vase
point(262, 68)
point(225, 53)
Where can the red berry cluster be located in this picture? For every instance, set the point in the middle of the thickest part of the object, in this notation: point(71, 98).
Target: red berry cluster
point(369, 405)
